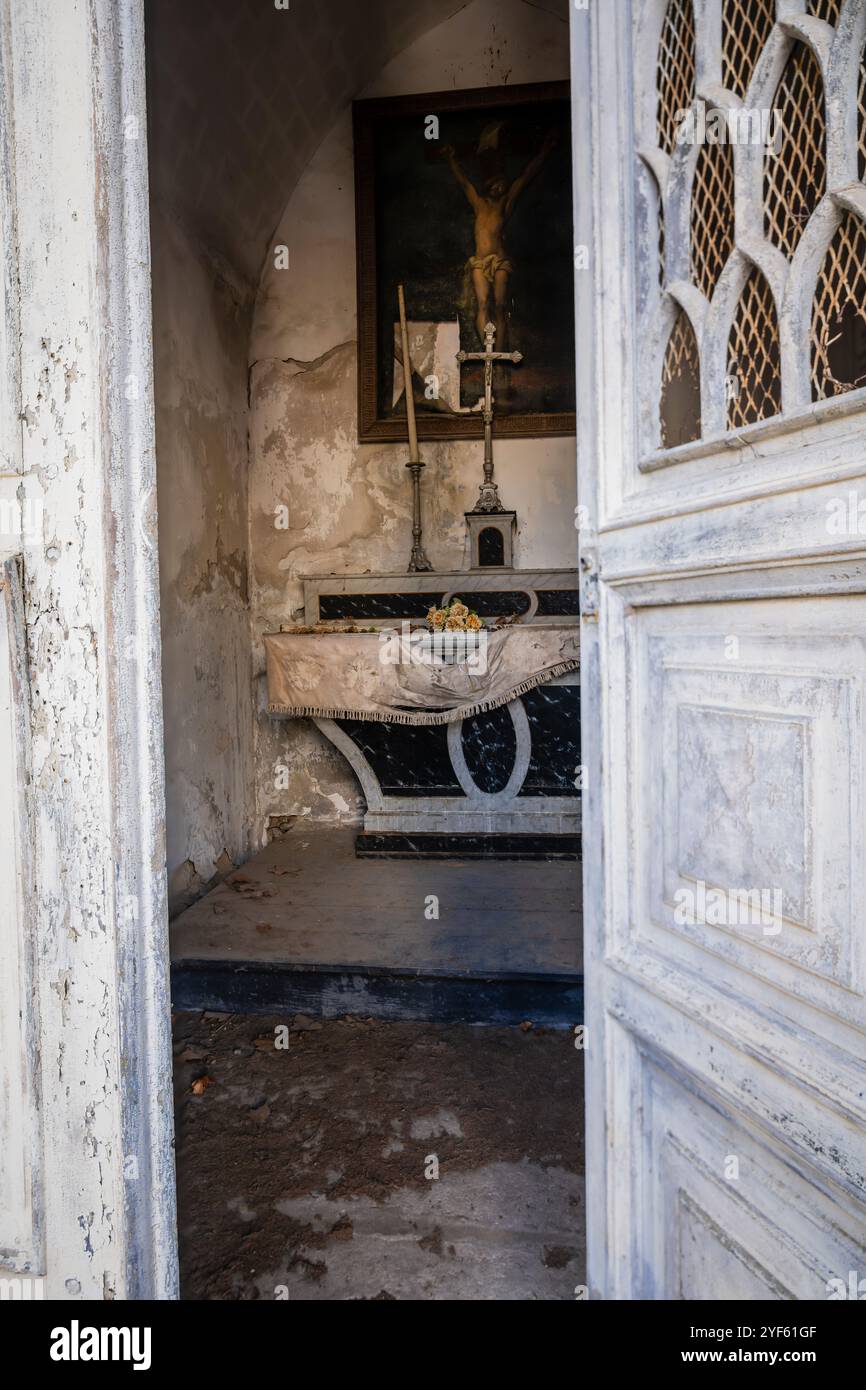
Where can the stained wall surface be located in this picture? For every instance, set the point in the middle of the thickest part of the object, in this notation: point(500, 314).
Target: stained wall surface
point(202, 314)
point(348, 505)
point(240, 95)
point(250, 114)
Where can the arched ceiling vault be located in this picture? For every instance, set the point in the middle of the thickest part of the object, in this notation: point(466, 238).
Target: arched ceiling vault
point(240, 95)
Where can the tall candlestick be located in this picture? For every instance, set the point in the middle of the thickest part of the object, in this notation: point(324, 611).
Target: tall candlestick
point(417, 560)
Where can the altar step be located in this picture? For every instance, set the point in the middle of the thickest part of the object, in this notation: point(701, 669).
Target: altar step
point(307, 926)
point(391, 845)
point(327, 992)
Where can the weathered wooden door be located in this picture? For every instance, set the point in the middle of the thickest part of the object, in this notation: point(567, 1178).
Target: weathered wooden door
point(721, 309)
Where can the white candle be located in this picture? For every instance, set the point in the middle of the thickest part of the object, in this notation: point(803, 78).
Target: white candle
point(407, 380)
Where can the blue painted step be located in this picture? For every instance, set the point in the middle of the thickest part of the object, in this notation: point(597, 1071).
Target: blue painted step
point(253, 987)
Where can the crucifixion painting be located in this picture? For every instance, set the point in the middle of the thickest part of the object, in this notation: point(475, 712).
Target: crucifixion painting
point(490, 266)
point(465, 199)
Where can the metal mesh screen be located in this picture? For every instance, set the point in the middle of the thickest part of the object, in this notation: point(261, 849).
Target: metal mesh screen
point(838, 337)
point(680, 405)
point(675, 76)
point(826, 9)
point(795, 171)
point(712, 215)
point(754, 372)
point(746, 26)
point(794, 183)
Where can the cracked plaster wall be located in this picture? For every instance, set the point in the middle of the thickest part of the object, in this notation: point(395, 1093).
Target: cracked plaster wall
point(202, 317)
point(349, 504)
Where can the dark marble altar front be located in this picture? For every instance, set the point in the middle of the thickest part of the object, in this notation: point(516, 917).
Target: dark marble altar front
point(412, 761)
point(510, 772)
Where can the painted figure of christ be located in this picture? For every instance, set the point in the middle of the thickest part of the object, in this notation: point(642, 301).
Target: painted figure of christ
point(491, 266)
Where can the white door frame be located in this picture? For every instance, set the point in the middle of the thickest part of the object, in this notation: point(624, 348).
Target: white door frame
point(78, 454)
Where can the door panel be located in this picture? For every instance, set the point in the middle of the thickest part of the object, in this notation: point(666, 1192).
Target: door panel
point(749, 769)
point(723, 692)
point(753, 1229)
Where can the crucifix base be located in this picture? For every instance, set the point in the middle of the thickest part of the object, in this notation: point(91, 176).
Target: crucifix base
point(488, 498)
point(491, 538)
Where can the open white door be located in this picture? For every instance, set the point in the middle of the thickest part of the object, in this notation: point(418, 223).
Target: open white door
point(724, 649)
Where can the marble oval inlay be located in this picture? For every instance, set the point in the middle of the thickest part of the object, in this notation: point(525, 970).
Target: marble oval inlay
point(522, 752)
point(490, 747)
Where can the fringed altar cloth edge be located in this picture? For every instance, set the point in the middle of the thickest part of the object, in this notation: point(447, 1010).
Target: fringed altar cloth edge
point(374, 691)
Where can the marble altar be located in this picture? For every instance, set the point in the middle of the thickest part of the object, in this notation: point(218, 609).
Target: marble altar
point(509, 771)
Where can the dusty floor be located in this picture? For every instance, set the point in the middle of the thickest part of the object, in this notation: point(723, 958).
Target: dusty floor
point(308, 899)
point(306, 1173)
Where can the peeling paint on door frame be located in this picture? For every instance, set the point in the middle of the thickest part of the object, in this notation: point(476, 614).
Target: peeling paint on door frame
point(75, 191)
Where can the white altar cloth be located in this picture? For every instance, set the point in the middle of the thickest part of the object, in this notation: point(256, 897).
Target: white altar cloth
point(398, 677)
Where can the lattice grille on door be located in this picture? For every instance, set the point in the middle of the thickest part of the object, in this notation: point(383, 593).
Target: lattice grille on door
point(746, 26)
point(795, 169)
point(754, 367)
point(675, 75)
point(839, 314)
point(746, 353)
point(712, 215)
point(680, 405)
point(826, 9)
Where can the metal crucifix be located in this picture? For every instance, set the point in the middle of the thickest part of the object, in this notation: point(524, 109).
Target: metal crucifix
point(488, 497)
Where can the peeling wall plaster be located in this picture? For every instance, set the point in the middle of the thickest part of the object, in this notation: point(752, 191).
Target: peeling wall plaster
point(225, 568)
point(349, 504)
point(202, 319)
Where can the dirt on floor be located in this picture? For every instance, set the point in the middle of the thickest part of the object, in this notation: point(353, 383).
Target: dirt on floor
point(356, 1159)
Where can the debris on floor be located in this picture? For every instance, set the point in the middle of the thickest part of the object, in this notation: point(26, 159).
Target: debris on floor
point(356, 1159)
